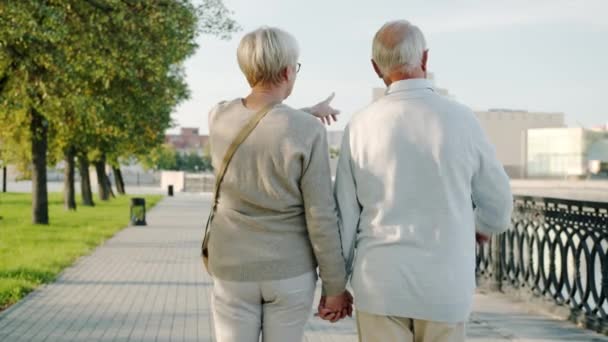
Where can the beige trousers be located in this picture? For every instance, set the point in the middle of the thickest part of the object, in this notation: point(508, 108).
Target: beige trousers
point(375, 328)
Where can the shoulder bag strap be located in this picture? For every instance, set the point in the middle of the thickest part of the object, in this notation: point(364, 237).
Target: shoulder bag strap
point(243, 134)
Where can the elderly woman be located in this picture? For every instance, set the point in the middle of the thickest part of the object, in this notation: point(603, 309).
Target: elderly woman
point(275, 219)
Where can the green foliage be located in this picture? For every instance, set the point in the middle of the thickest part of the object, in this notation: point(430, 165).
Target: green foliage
point(104, 73)
point(334, 153)
point(163, 157)
point(166, 158)
point(192, 162)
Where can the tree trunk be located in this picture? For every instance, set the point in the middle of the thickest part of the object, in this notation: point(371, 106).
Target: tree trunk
point(110, 186)
point(69, 193)
point(120, 184)
point(109, 183)
point(4, 179)
point(85, 180)
point(40, 204)
point(102, 180)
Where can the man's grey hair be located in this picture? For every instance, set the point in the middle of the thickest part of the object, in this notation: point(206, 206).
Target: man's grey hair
point(263, 53)
point(398, 44)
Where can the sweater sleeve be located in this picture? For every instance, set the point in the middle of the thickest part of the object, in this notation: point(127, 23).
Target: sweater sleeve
point(491, 190)
point(349, 209)
point(321, 216)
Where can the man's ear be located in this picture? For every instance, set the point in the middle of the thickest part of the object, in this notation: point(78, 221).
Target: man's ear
point(377, 69)
point(425, 58)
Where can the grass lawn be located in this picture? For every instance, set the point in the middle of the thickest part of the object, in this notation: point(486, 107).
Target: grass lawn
point(32, 255)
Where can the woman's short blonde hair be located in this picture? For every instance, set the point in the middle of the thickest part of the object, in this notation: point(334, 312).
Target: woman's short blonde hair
point(262, 55)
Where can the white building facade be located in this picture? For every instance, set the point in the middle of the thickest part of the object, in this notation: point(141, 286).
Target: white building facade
point(566, 152)
point(507, 130)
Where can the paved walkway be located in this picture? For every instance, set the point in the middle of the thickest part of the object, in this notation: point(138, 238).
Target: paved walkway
point(147, 284)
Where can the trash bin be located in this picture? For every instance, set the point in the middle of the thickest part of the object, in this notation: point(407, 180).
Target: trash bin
point(138, 211)
point(170, 190)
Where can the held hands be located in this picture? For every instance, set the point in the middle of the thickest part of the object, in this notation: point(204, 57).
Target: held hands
point(335, 308)
point(324, 111)
point(481, 238)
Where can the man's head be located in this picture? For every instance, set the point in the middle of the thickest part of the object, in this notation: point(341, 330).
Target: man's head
point(399, 52)
point(268, 57)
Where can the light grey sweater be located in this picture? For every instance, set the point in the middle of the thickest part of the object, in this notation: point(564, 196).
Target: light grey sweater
point(276, 215)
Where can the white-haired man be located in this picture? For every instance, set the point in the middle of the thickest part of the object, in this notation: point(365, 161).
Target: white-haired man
point(409, 165)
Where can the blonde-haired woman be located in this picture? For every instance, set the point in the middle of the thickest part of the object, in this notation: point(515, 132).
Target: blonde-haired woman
point(275, 219)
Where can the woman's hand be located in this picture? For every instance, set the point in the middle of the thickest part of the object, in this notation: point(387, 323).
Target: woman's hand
point(335, 308)
point(324, 111)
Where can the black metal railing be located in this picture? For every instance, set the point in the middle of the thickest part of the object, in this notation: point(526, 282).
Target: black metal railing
point(557, 250)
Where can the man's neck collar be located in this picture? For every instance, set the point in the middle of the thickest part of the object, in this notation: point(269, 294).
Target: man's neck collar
point(409, 84)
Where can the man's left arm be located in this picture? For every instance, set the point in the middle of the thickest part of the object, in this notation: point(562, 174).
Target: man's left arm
point(491, 188)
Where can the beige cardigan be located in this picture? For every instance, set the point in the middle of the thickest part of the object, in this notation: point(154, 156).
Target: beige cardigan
point(276, 216)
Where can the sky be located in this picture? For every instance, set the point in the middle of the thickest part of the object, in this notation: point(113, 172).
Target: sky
point(535, 55)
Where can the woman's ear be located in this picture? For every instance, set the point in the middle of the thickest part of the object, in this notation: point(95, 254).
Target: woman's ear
point(285, 74)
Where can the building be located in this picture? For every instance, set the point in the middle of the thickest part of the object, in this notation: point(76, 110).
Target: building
point(603, 127)
point(507, 129)
point(566, 152)
point(187, 141)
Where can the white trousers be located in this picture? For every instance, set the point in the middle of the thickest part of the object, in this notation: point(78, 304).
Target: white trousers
point(278, 310)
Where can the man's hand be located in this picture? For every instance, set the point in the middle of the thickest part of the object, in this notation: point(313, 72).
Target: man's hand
point(324, 111)
point(335, 308)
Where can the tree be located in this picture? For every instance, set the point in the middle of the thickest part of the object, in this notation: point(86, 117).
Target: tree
point(115, 64)
point(3, 164)
point(69, 191)
point(166, 158)
point(191, 162)
point(334, 153)
point(162, 157)
point(30, 33)
point(85, 179)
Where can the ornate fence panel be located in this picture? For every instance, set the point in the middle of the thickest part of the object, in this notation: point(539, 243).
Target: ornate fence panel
point(557, 250)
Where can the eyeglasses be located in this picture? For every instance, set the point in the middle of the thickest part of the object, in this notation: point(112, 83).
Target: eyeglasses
point(298, 67)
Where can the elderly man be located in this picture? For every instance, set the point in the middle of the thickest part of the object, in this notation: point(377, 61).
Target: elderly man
point(409, 165)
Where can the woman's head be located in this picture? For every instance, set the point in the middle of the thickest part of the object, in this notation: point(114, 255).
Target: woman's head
point(268, 57)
